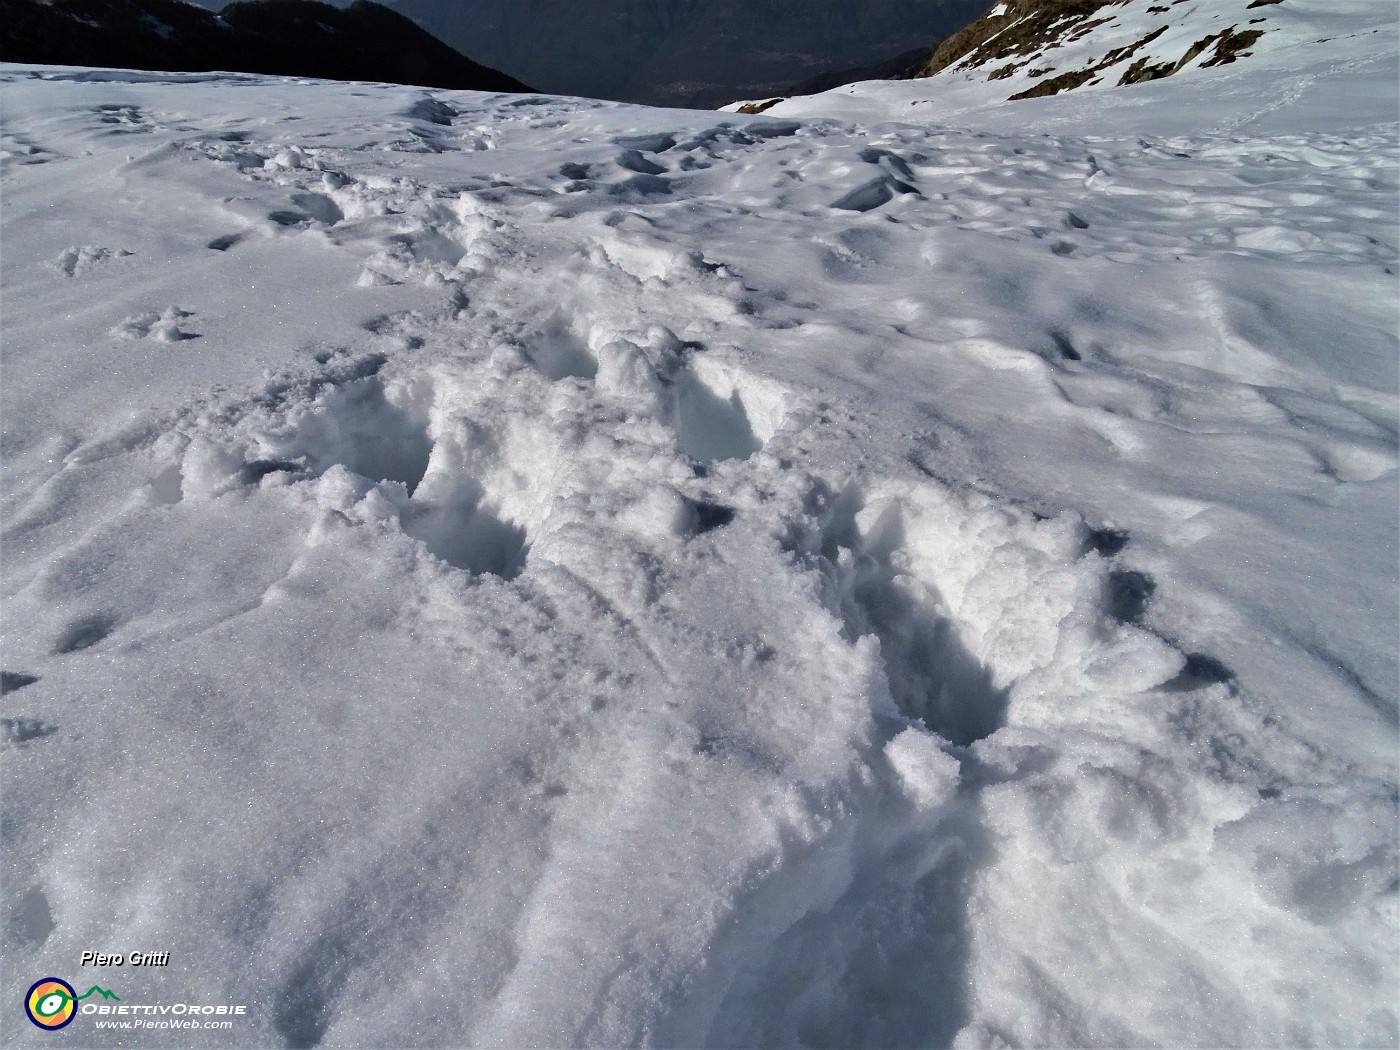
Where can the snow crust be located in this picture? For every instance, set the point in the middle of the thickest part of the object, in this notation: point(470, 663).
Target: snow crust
point(521, 571)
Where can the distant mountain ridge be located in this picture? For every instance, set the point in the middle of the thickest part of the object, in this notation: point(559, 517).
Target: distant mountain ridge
point(697, 53)
point(301, 38)
point(903, 66)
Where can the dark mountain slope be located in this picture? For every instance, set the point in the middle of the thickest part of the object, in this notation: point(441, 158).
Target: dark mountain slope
point(902, 67)
point(686, 52)
point(286, 37)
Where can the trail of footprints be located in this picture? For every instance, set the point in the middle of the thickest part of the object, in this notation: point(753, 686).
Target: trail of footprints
point(478, 479)
point(484, 455)
point(922, 568)
point(382, 426)
point(486, 441)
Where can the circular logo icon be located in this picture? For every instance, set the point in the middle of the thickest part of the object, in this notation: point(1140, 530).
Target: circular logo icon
point(51, 1003)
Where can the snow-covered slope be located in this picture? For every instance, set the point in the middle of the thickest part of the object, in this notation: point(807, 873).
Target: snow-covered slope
point(1209, 49)
point(1066, 44)
point(510, 571)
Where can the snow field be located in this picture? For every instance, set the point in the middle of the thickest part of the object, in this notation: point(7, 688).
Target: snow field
point(525, 571)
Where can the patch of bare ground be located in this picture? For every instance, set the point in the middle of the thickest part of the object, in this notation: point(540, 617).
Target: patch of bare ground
point(1118, 54)
point(1053, 86)
point(1024, 26)
point(1079, 77)
point(752, 108)
point(1229, 45)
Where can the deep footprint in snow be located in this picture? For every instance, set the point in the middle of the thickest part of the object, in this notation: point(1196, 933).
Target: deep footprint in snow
point(319, 207)
point(73, 262)
point(710, 428)
point(122, 119)
point(560, 353)
point(1201, 672)
point(308, 206)
point(1129, 595)
point(468, 536)
point(1064, 347)
point(16, 149)
point(577, 172)
point(433, 111)
point(83, 633)
point(29, 919)
point(933, 677)
point(227, 241)
point(164, 327)
point(632, 160)
point(889, 162)
point(254, 471)
point(379, 431)
point(1106, 541)
point(709, 516)
point(640, 187)
point(288, 218)
point(16, 732)
point(657, 142)
point(354, 423)
point(12, 680)
point(873, 194)
point(897, 178)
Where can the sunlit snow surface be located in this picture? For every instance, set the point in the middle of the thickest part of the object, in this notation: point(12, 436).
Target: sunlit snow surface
point(518, 571)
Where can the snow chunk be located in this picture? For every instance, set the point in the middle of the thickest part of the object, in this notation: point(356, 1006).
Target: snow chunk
point(928, 774)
